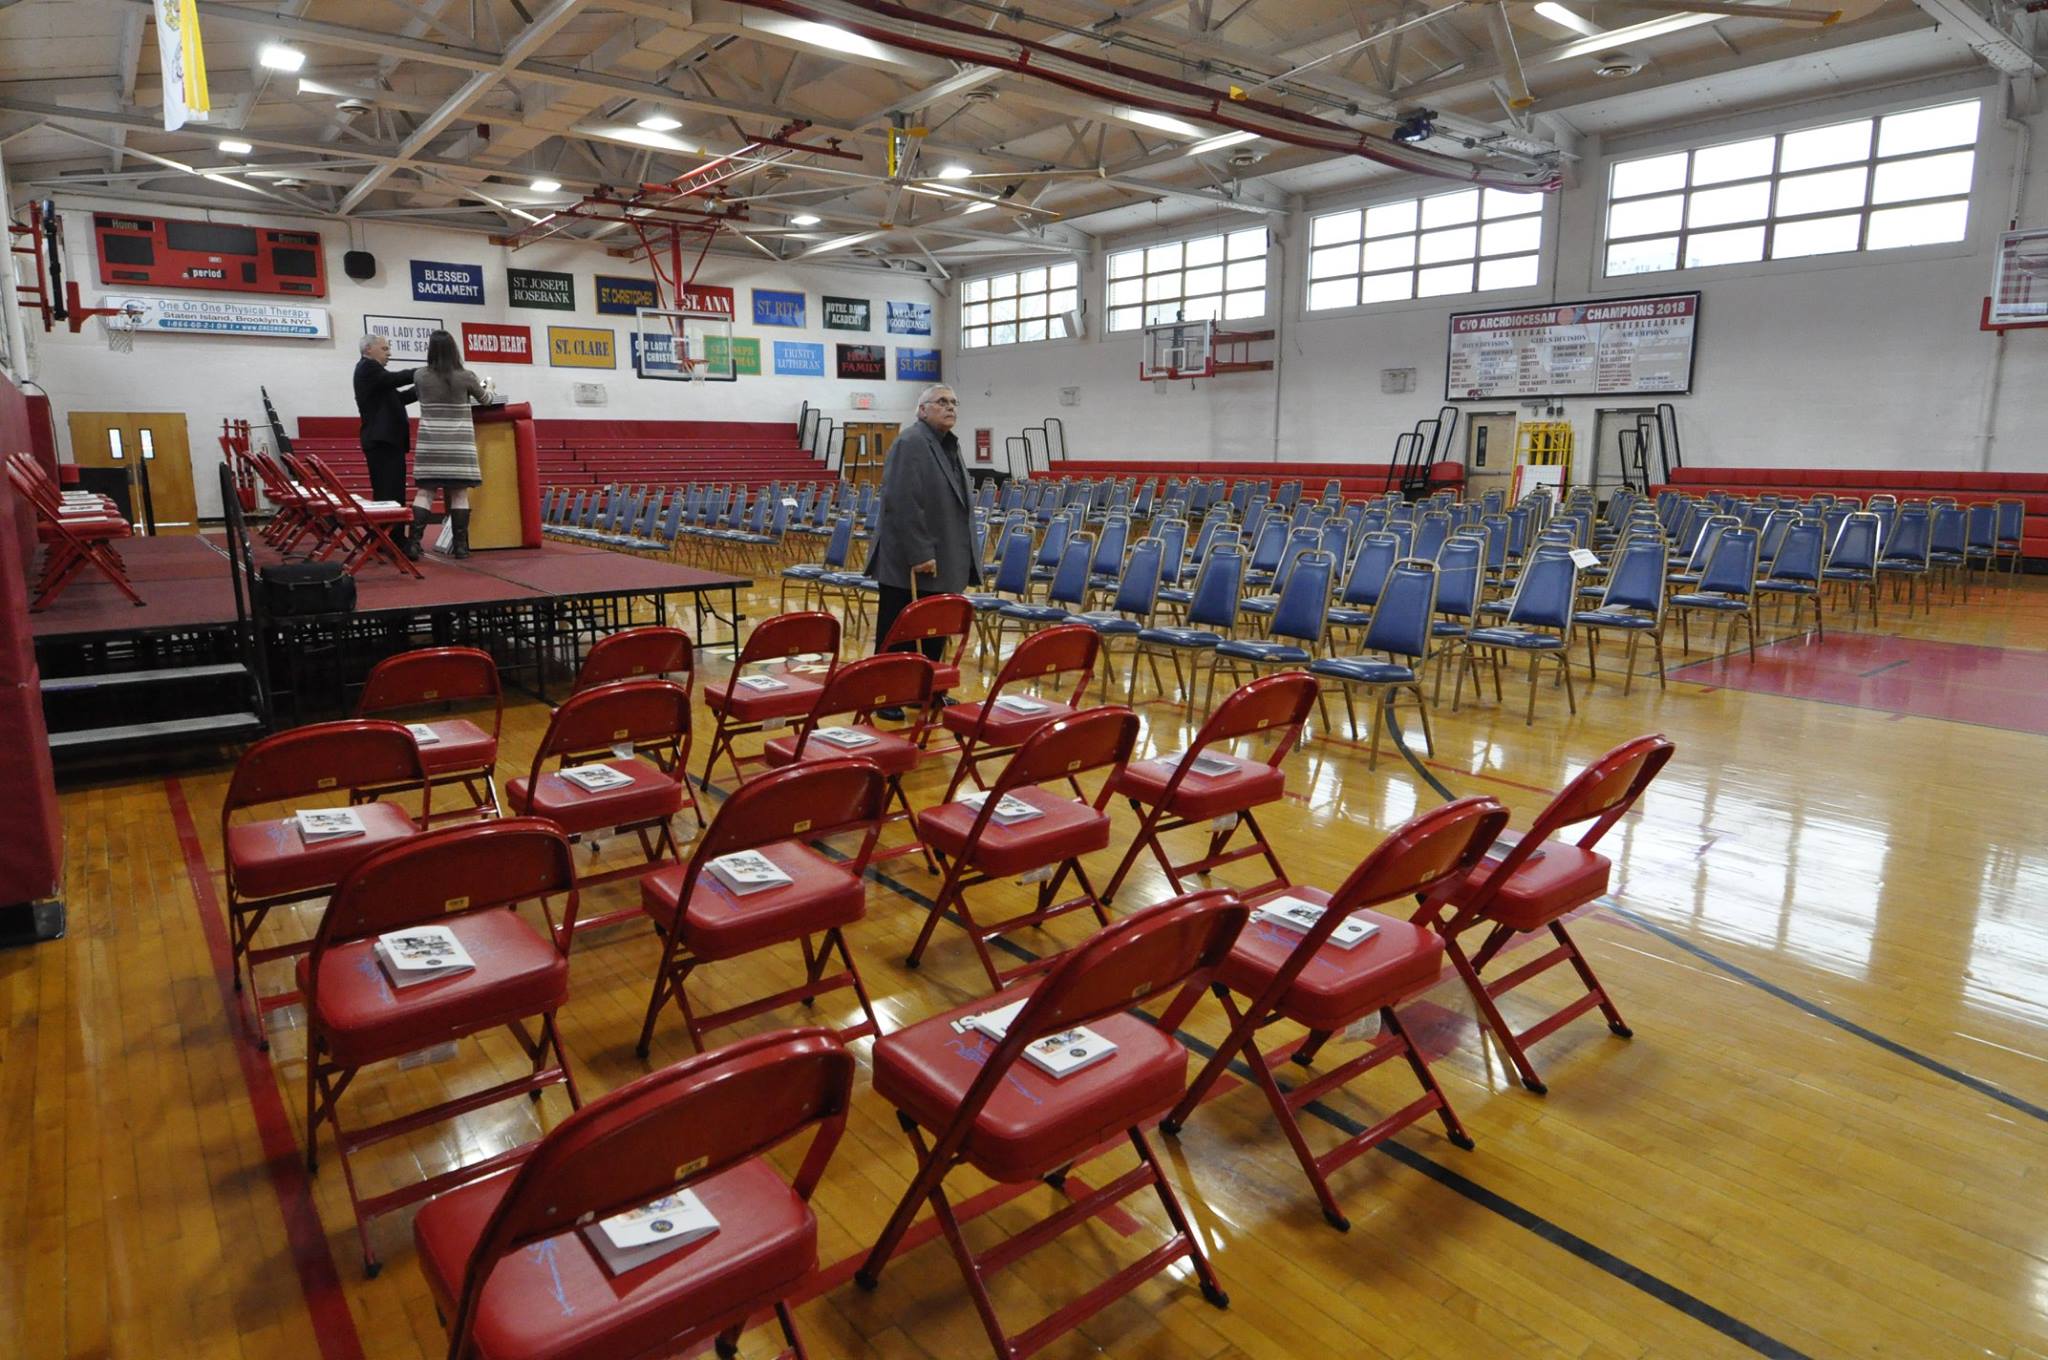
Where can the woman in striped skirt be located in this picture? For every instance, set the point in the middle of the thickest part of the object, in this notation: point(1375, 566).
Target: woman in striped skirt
point(445, 457)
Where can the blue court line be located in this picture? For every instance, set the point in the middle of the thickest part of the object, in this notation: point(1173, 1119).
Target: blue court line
point(1694, 1307)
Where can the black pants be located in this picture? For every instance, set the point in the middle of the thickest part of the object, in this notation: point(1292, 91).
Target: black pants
point(891, 602)
point(387, 471)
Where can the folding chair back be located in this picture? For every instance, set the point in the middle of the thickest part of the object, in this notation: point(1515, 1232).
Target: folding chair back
point(810, 800)
point(1096, 739)
point(1602, 794)
point(663, 1133)
point(807, 632)
point(1068, 649)
point(884, 680)
point(653, 650)
point(934, 616)
point(1377, 553)
point(325, 758)
point(481, 865)
point(430, 675)
point(1277, 704)
point(639, 713)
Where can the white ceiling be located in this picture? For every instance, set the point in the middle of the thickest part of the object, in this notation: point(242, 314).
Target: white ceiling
point(464, 103)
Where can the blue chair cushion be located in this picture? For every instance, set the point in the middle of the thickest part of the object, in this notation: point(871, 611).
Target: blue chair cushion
point(1447, 628)
point(1789, 587)
point(804, 571)
point(1710, 602)
point(1261, 605)
point(1518, 638)
point(1494, 607)
point(1274, 653)
point(1846, 574)
point(1341, 617)
point(1106, 621)
point(1899, 564)
point(1035, 613)
point(1947, 559)
point(985, 603)
point(1180, 637)
point(1364, 671)
point(1175, 595)
point(849, 580)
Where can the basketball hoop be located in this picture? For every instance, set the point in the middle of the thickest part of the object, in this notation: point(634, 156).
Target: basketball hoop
point(120, 327)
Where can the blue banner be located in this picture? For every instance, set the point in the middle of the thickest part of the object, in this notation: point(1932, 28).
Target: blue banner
point(438, 281)
point(623, 297)
point(909, 318)
point(778, 309)
point(917, 365)
point(659, 356)
point(795, 359)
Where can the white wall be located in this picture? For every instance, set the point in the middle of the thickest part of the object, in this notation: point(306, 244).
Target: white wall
point(1872, 360)
point(212, 378)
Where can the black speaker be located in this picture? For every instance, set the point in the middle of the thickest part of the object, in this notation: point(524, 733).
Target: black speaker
point(359, 264)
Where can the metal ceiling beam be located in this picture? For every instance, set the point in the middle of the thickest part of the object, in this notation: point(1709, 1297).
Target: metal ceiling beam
point(1987, 37)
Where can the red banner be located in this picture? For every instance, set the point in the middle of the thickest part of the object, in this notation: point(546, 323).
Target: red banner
point(984, 446)
point(705, 297)
point(483, 343)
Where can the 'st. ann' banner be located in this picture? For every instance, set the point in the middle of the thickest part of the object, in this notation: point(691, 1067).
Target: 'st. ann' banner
point(909, 318)
point(863, 361)
point(623, 297)
point(845, 314)
point(484, 343)
point(917, 365)
point(799, 359)
point(440, 281)
point(547, 289)
point(705, 297)
point(772, 308)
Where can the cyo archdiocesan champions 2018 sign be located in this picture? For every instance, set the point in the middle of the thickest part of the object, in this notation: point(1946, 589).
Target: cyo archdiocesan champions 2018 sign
point(1610, 348)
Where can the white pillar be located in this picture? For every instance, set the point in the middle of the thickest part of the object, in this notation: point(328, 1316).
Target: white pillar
point(11, 326)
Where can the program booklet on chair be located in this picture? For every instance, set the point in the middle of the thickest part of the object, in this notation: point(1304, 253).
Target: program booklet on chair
point(423, 733)
point(762, 683)
point(1056, 1055)
point(846, 738)
point(1207, 763)
point(1017, 703)
point(1009, 811)
point(1291, 913)
point(421, 954)
point(317, 825)
point(630, 1240)
point(747, 871)
point(596, 778)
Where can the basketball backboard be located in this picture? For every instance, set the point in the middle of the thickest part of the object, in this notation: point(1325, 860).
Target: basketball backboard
point(676, 346)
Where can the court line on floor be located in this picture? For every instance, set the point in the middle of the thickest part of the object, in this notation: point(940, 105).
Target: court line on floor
point(1694, 1307)
point(334, 1326)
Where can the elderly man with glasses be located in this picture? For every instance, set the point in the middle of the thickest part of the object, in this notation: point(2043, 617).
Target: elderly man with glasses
point(924, 539)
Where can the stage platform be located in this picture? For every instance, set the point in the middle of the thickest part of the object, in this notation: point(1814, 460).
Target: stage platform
point(534, 608)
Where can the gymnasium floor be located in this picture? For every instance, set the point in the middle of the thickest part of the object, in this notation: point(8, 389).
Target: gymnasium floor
point(1828, 1138)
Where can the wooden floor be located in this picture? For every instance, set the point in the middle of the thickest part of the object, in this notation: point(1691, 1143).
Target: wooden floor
point(1828, 1137)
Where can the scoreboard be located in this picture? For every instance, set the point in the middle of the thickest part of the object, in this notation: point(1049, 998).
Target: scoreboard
point(214, 257)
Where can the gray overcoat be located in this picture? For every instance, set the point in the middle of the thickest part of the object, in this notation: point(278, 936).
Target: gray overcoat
point(925, 515)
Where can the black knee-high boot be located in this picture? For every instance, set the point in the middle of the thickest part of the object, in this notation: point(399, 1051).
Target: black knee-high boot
point(461, 547)
point(415, 537)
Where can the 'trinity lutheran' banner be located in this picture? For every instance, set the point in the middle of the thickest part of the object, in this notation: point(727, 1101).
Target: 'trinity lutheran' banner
point(439, 281)
point(799, 359)
point(863, 361)
point(543, 288)
point(492, 344)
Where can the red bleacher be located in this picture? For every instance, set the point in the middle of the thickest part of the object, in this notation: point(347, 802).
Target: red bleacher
point(2030, 488)
point(601, 452)
point(1356, 479)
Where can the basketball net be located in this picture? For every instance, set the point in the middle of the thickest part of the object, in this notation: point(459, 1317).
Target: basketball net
point(121, 338)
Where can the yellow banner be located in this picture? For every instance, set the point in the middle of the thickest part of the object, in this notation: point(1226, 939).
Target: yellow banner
point(196, 98)
point(581, 347)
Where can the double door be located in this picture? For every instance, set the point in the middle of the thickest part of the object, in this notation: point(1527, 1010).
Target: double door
point(150, 449)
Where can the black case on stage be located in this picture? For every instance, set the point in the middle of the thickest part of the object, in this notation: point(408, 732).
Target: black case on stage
point(295, 588)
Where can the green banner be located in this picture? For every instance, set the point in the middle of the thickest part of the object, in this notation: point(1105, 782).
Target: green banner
point(746, 354)
point(845, 314)
point(543, 288)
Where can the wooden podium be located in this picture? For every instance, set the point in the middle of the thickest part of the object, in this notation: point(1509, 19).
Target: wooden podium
point(505, 510)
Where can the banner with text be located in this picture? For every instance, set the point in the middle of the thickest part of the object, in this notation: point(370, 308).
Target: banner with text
point(746, 354)
point(581, 347)
point(623, 297)
point(406, 334)
point(917, 365)
point(483, 343)
point(909, 318)
point(705, 297)
point(546, 289)
point(863, 361)
point(204, 316)
point(772, 308)
point(1623, 347)
point(440, 281)
point(799, 359)
point(845, 314)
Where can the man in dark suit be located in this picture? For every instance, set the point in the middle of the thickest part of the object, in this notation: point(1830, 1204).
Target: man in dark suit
point(924, 538)
point(381, 397)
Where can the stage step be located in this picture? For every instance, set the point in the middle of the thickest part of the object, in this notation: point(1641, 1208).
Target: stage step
point(80, 684)
point(214, 727)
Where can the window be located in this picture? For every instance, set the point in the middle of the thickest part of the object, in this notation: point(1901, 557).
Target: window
point(1874, 184)
point(1467, 241)
point(1211, 278)
point(1013, 309)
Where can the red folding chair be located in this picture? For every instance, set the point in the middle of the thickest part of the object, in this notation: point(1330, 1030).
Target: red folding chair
point(362, 526)
point(460, 877)
point(640, 728)
point(452, 750)
point(990, 729)
point(983, 1106)
point(791, 639)
point(271, 865)
point(74, 536)
point(974, 848)
point(1171, 796)
point(1535, 885)
point(290, 501)
point(509, 1262)
point(702, 920)
point(854, 691)
point(923, 619)
point(1307, 980)
point(634, 652)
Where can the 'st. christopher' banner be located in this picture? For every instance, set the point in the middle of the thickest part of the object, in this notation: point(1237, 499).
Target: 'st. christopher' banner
point(623, 297)
point(1616, 347)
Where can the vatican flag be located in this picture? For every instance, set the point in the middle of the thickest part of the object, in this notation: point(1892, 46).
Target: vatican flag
point(183, 61)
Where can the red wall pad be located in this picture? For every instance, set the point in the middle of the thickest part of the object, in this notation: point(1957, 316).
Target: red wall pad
point(31, 834)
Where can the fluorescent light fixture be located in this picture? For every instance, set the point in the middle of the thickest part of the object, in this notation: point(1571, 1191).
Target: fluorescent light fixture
point(660, 122)
point(1218, 143)
point(1558, 14)
point(1622, 37)
point(235, 148)
point(803, 220)
point(1159, 120)
point(278, 57)
point(660, 141)
point(979, 207)
point(955, 171)
point(545, 186)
